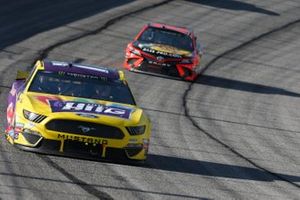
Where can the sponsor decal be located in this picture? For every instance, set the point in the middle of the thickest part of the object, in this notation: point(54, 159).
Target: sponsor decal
point(73, 69)
point(86, 76)
point(82, 139)
point(65, 64)
point(86, 115)
point(158, 63)
point(92, 108)
point(149, 50)
point(164, 50)
point(170, 49)
point(132, 140)
point(58, 63)
point(20, 125)
point(92, 68)
point(14, 133)
point(11, 133)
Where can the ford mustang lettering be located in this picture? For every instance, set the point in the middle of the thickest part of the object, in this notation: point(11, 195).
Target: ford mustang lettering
point(76, 110)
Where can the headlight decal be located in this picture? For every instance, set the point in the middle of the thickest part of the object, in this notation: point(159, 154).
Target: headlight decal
point(134, 51)
point(136, 130)
point(34, 117)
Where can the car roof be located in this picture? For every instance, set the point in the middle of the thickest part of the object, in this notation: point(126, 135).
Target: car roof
point(59, 66)
point(183, 30)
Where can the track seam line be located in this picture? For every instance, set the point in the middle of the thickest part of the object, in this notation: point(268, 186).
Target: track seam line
point(196, 125)
point(220, 120)
point(45, 52)
point(5, 86)
point(82, 184)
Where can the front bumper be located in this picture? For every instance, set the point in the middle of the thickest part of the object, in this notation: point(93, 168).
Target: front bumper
point(81, 146)
point(86, 150)
point(186, 71)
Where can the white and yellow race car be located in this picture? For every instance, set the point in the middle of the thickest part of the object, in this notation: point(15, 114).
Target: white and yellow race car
point(76, 110)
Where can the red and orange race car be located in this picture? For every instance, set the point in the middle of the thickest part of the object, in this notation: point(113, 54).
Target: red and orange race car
point(165, 49)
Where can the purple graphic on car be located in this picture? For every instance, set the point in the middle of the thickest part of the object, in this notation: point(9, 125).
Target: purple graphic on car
point(57, 66)
point(83, 107)
point(17, 87)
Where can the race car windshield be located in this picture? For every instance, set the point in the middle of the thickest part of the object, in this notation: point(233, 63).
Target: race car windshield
point(167, 37)
point(83, 86)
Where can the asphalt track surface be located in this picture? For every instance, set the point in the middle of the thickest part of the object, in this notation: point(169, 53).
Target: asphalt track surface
point(232, 134)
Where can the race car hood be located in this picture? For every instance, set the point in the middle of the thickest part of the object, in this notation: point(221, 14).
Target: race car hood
point(89, 109)
point(164, 50)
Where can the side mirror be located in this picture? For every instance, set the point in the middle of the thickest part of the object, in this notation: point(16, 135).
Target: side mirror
point(22, 75)
point(121, 75)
